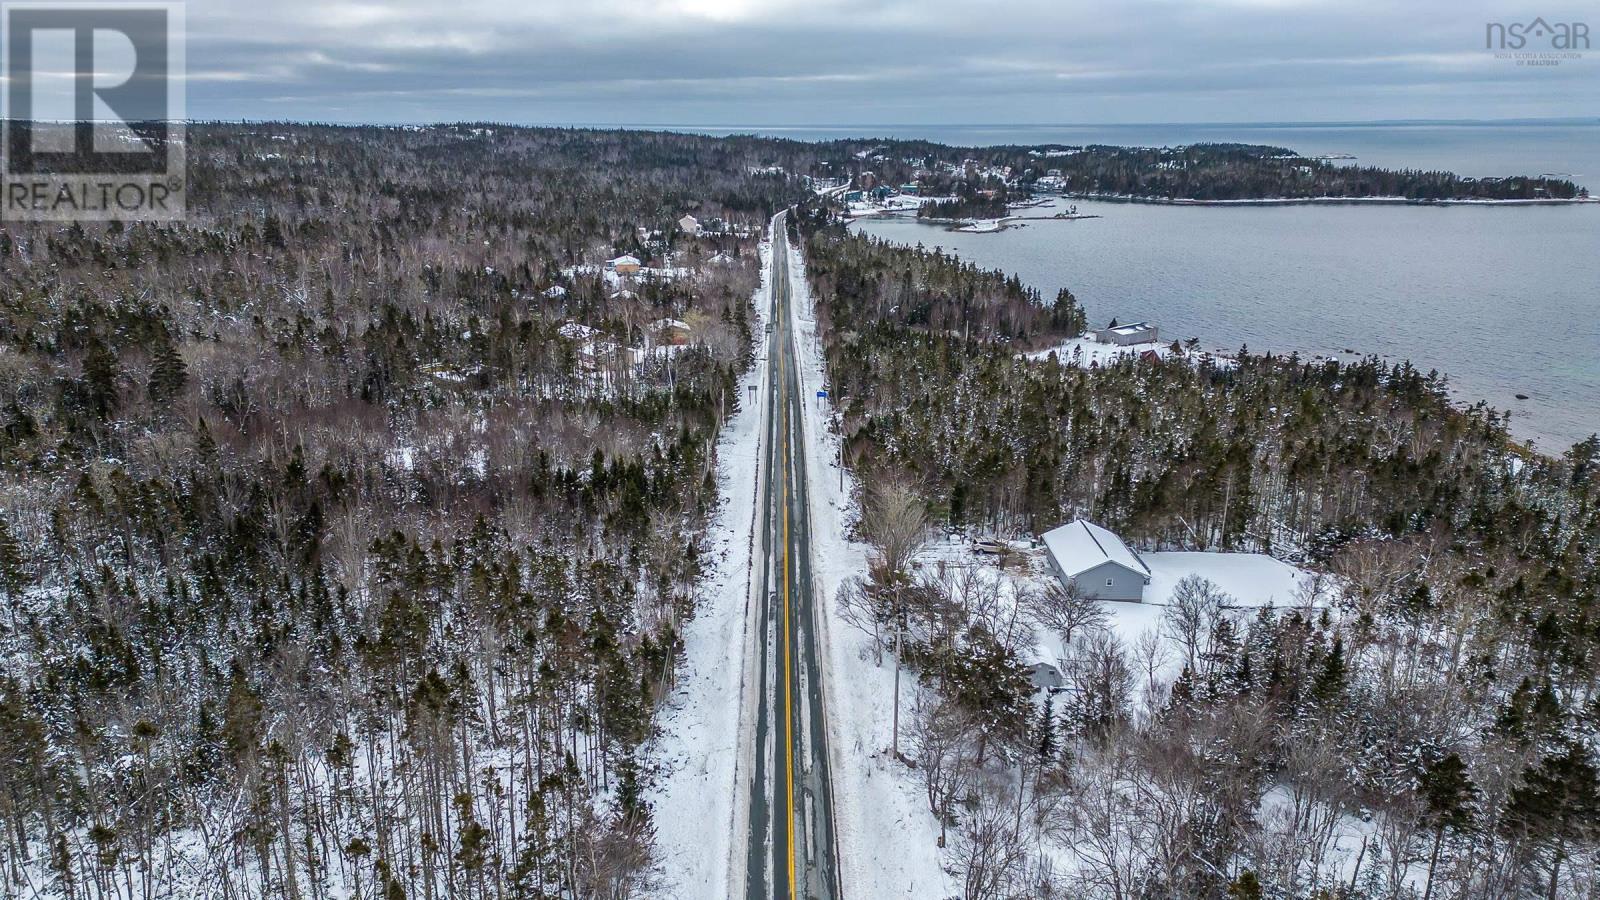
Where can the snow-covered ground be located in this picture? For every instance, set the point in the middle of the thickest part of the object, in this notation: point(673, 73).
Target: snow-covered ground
point(698, 798)
point(895, 203)
point(986, 226)
point(1086, 351)
point(888, 841)
point(1251, 579)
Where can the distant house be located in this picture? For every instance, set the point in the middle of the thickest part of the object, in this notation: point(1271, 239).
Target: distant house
point(689, 225)
point(577, 331)
point(1126, 335)
point(853, 196)
point(1149, 356)
point(720, 259)
point(1096, 562)
point(625, 265)
point(911, 189)
point(672, 332)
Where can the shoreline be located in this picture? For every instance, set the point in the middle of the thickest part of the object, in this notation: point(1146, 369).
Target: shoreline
point(1312, 201)
point(1096, 353)
point(1529, 427)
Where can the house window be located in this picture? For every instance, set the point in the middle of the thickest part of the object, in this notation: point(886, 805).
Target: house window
point(1111, 582)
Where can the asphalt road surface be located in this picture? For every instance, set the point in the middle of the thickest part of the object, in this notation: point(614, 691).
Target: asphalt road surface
point(791, 843)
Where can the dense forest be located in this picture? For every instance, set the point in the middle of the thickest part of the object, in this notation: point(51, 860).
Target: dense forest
point(1199, 172)
point(967, 203)
point(1436, 697)
point(347, 528)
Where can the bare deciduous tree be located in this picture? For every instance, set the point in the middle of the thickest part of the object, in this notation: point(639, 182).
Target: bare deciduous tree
point(1196, 606)
point(1064, 609)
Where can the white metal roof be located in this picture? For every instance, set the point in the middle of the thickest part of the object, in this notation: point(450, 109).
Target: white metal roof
point(1081, 545)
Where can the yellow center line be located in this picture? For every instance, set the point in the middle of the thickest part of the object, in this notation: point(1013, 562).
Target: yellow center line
point(788, 665)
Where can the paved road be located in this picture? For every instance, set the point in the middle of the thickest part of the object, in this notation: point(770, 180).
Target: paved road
point(791, 844)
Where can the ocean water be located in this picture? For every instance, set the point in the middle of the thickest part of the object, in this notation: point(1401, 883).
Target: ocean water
point(1504, 300)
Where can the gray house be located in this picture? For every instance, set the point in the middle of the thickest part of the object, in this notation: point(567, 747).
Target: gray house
point(1126, 335)
point(1096, 562)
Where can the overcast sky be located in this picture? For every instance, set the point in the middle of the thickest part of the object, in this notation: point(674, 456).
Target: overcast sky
point(771, 62)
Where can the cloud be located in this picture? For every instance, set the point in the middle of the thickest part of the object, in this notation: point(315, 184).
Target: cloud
point(776, 61)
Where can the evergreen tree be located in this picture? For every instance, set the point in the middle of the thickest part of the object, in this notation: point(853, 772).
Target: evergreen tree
point(1246, 887)
point(1449, 794)
point(1330, 678)
point(1558, 802)
point(101, 372)
point(168, 375)
point(14, 576)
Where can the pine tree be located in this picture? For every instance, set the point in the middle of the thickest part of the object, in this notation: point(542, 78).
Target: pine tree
point(101, 371)
point(14, 576)
point(169, 374)
point(1329, 682)
point(1557, 802)
point(1449, 794)
point(1246, 887)
point(1047, 729)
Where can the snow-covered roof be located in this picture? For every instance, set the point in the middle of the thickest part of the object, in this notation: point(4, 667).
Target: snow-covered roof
point(555, 290)
point(1131, 328)
point(1081, 545)
point(625, 260)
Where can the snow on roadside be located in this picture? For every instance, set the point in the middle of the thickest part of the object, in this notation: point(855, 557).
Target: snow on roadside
point(888, 841)
point(699, 747)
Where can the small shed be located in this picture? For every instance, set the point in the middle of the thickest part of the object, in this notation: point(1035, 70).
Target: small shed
point(1096, 562)
point(626, 264)
point(1045, 676)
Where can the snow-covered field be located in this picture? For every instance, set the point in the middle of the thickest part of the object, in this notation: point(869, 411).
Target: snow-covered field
point(898, 203)
point(1086, 351)
point(1251, 579)
point(986, 226)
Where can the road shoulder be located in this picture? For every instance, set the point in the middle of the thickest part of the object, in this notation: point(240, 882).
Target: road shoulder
point(702, 751)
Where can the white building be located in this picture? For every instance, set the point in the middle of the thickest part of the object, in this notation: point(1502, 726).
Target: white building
point(689, 225)
point(1126, 335)
point(1096, 562)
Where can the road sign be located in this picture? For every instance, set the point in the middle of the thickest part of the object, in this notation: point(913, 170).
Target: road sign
point(822, 395)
